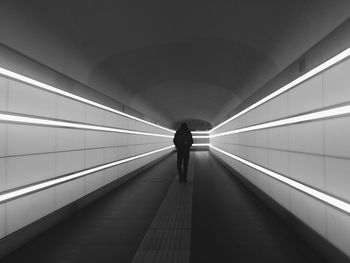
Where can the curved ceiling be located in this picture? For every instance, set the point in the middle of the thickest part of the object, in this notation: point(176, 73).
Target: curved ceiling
point(172, 60)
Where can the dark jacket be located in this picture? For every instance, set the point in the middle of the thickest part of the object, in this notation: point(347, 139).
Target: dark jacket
point(183, 139)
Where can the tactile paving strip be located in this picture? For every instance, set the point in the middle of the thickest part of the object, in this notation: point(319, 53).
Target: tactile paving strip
point(168, 238)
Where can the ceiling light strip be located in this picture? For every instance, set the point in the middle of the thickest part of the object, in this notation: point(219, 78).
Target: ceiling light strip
point(65, 124)
point(200, 144)
point(344, 206)
point(341, 56)
point(335, 112)
point(40, 186)
point(47, 87)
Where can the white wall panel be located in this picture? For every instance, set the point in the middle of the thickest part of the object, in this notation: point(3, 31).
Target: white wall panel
point(249, 118)
point(110, 139)
point(3, 94)
point(94, 181)
point(299, 205)
point(278, 138)
point(306, 137)
point(263, 181)
point(68, 109)
point(111, 119)
point(123, 139)
point(69, 192)
point(63, 195)
point(68, 162)
point(337, 141)
point(123, 122)
point(306, 97)
point(41, 204)
point(94, 157)
point(280, 192)
point(248, 138)
point(17, 213)
point(111, 174)
point(26, 139)
point(26, 99)
point(308, 169)
point(262, 138)
point(278, 107)
point(3, 138)
point(122, 169)
point(110, 154)
point(132, 124)
point(338, 225)
point(2, 174)
point(23, 170)
point(70, 139)
point(94, 139)
point(336, 84)
point(95, 115)
point(317, 216)
point(2, 220)
point(338, 177)
point(242, 121)
point(279, 161)
point(262, 114)
point(262, 157)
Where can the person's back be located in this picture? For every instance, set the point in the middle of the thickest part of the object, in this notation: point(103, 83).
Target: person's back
point(183, 141)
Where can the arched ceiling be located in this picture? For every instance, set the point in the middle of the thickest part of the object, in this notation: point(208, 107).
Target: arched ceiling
point(172, 60)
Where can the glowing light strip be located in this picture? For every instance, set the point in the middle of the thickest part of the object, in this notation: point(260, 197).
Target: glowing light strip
point(301, 187)
point(342, 55)
point(302, 118)
point(44, 86)
point(40, 186)
point(200, 144)
point(65, 124)
point(201, 137)
point(200, 132)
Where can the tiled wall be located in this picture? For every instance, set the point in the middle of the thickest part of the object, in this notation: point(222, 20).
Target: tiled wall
point(30, 153)
point(315, 153)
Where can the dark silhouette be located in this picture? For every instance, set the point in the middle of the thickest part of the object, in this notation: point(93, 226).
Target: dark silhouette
point(183, 141)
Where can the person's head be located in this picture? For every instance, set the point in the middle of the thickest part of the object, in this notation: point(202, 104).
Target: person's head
point(184, 126)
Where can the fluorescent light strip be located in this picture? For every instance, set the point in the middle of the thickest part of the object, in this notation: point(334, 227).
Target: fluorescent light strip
point(342, 55)
point(44, 86)
point(37, 187)
point(200, 144)
point(65, 124)
point(200, 132)
point(301, 187)
point(201, 137)
point(302, 118)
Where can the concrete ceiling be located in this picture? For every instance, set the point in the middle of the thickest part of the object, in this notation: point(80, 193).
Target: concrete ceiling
point(172, 60)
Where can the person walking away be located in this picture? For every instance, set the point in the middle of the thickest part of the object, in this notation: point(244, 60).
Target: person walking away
point(183, 141)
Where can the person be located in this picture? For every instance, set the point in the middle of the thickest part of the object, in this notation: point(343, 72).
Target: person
point(183, 141)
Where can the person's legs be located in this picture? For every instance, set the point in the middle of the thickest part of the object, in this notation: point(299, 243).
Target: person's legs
point(180, 158)
point(186, 159)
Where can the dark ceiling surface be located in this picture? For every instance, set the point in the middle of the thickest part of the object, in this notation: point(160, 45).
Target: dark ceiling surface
point(172, 60)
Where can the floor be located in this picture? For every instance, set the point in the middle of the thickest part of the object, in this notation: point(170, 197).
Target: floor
point(229, 224)
point(226, 223)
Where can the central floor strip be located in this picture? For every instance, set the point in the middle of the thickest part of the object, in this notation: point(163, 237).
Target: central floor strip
point(168, 238)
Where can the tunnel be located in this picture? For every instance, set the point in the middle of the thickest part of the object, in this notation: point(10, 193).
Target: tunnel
point(94, 96)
